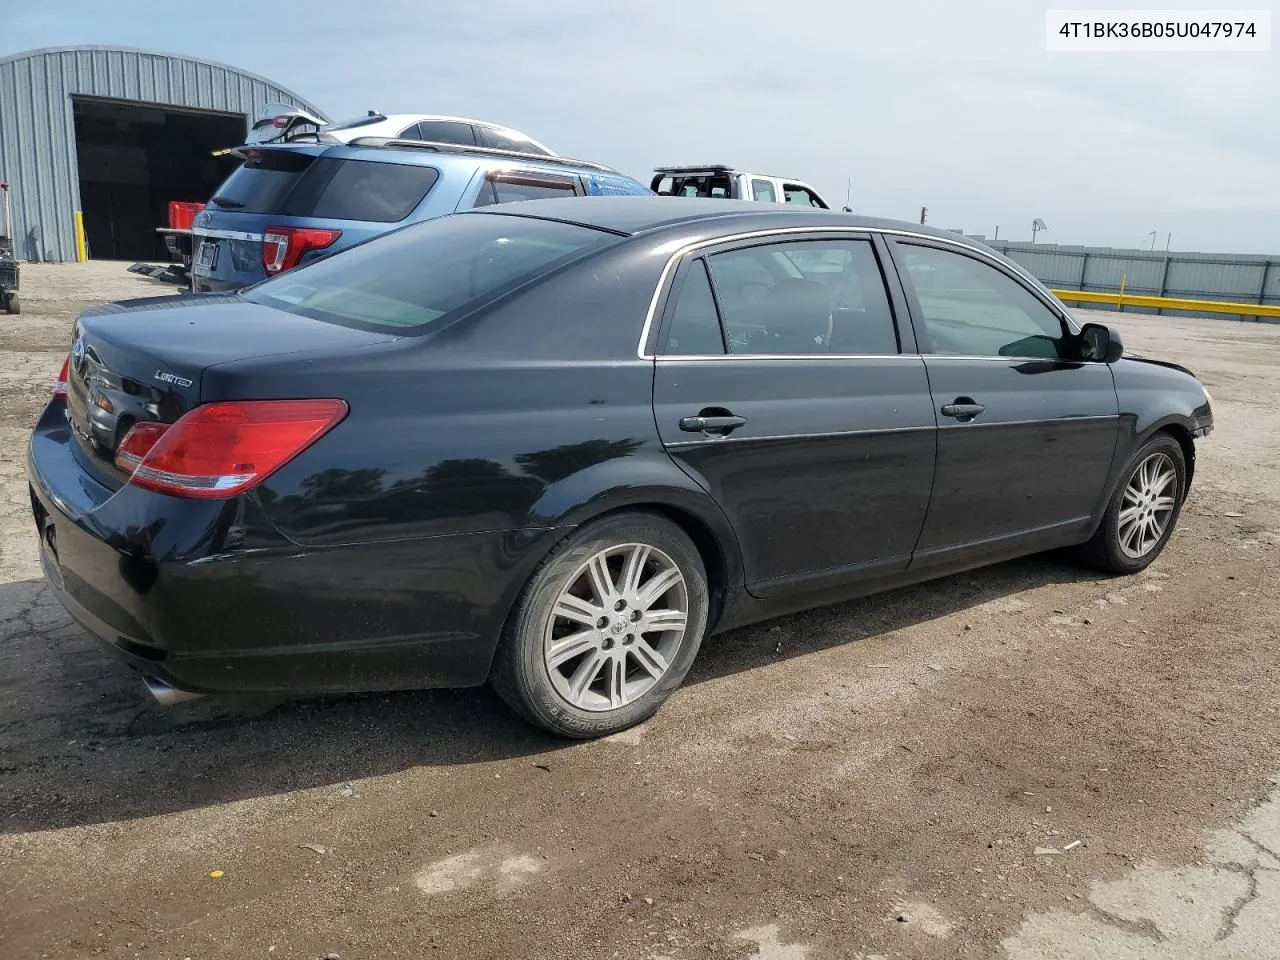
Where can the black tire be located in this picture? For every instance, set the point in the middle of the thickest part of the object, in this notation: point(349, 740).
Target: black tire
point(520, 673)
point(11, 304)
point(1104, 549)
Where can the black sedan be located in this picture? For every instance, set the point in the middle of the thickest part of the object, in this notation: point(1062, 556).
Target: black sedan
point(554, 444)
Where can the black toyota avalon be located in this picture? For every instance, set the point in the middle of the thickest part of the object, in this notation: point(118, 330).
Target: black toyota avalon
point(552, 445)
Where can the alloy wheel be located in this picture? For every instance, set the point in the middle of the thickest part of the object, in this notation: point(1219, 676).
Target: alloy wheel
point(614, 630)
point(1147, 505)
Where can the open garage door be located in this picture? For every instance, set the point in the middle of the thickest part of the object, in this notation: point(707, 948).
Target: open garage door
point(134, 158)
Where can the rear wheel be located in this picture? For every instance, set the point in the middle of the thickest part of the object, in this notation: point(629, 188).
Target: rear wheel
point(11, 304)
point(606, 628)
point(1144, 510)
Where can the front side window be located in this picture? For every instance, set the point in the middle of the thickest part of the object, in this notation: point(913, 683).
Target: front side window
point(409, 279)
point(972, 309)
point(763, 190)
point(811, 297)
point(510, 187)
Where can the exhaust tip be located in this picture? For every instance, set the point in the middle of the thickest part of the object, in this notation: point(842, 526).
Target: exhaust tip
point(166, 695)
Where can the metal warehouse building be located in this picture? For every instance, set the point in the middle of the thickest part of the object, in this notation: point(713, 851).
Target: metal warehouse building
point(115, 134)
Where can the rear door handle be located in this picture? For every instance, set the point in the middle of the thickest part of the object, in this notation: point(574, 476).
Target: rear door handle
point(718, 425)
point(963, 409)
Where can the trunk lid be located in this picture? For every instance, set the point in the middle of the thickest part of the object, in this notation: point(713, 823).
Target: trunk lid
point(278, 121)
point(143, 360)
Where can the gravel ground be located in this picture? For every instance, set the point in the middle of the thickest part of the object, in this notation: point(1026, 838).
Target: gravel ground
point(868, 780)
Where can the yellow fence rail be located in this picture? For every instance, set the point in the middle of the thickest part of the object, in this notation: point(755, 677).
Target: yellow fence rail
point(1169, 303)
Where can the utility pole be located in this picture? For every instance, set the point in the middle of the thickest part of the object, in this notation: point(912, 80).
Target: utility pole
point(923, 211)
point(997, 236)
point(1167, 241)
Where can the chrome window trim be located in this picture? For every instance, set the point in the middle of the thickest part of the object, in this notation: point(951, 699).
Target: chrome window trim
point(1021, 275)
point(685, 358)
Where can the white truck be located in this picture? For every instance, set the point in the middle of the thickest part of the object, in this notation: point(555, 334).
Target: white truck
point(717, 180)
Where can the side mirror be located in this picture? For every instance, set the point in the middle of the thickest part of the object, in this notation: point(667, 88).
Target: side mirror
point(1100, 343)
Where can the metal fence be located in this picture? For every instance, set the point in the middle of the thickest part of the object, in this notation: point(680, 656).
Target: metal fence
point(1239, 278)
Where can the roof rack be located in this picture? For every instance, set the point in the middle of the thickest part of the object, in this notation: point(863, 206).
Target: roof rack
point(704, 168)
point(437, 147)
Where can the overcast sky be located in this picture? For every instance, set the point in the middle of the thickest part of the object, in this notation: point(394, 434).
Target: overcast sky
point(950, 104)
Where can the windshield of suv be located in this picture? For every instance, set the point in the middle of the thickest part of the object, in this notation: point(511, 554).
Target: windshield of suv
point(411, 278)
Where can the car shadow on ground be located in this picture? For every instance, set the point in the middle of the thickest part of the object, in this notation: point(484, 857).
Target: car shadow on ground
point(81, 742)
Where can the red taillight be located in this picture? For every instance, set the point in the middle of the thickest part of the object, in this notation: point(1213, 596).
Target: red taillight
point(283, 247)
point(60, 385)
point(223, 449)
point(137, 443)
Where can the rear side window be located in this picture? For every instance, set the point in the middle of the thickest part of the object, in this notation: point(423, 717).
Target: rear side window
point(603, 186)
point(263, 181)
point(409, 279)
point(763, 190)
point(802, 196)
point(695, 325)
point(444, 131)
point(508, 188)
point(508, 140)
point(810, 297)
point(381, 192)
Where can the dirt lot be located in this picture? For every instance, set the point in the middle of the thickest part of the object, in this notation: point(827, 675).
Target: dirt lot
point(867, 780)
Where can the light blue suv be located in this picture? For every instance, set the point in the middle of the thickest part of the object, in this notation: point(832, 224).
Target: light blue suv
point(291, 203)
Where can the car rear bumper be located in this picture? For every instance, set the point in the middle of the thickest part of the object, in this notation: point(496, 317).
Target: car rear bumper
point(209, 597)
point(204, 283)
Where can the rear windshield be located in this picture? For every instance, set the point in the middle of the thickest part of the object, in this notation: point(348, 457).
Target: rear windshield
point(410, 279)
point(360, 190)
point(261, 183)
point(299, 185)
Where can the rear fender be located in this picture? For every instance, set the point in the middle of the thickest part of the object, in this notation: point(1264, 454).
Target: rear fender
point(635, 482)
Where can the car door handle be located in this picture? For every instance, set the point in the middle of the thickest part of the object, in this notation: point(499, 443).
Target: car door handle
point(963, 409)
point(719, 425)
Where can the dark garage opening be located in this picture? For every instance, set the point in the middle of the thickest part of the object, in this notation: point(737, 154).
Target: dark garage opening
point(134, 158)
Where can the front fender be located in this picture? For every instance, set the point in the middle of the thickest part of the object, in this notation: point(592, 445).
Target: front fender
point(1154, 396)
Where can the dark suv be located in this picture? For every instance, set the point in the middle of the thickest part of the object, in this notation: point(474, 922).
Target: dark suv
point(289, 203)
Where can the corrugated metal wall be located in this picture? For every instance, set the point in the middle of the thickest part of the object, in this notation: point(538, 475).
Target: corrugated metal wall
point(1242, 278)
point(37, 128)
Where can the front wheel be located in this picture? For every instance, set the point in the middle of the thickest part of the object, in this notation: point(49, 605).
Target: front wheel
point(606, 628)
point(11, 303)
point(1144, 510)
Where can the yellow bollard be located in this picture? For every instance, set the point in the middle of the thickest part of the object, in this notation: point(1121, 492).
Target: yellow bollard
point(81, 255)
point(1120, 299)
